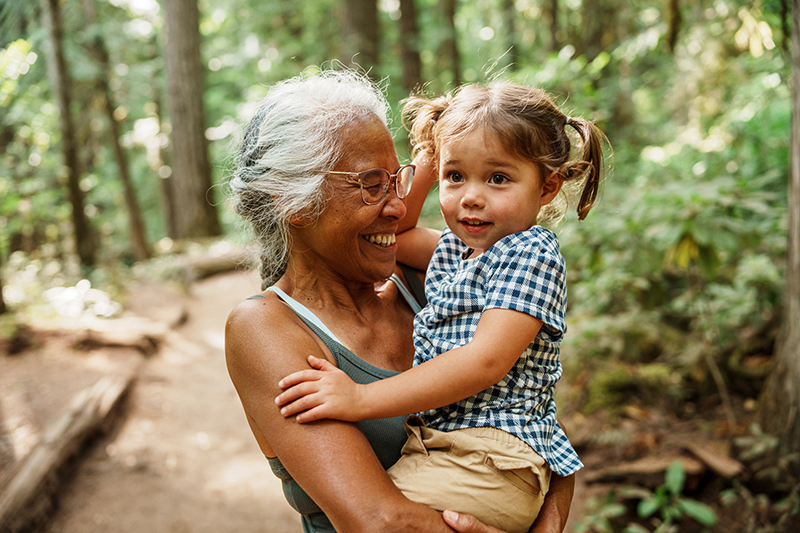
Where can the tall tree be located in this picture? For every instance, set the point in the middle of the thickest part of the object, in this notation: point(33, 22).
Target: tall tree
point(553, 8)
point(780, 402)
point(97, 47)
point(450, 44)
point(60, 79)
point(409, 46)
point(509, 17)
point(191, 169)
point(162, 164)
point(360, 33)
point(675, 19)
point(3, 307)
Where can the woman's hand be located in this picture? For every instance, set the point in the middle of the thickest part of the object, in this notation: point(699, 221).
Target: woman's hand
point(464, 523)
point(323, 393)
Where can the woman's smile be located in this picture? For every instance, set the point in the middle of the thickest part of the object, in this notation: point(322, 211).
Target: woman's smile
point(383, 240)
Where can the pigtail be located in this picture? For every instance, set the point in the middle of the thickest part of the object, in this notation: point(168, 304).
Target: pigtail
point(420, 116)
point(589, 165)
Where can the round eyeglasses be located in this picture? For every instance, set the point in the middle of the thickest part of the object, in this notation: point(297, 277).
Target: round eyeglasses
point(375, 182)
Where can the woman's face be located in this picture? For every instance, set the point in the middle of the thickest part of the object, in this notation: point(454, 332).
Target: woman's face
point(352, 240)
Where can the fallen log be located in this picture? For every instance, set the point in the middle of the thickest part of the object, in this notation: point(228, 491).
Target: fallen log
point(29, 496)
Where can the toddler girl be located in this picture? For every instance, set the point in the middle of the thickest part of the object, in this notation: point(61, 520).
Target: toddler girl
point(487, 343)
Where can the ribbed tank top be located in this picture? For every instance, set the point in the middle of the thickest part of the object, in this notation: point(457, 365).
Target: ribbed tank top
point(385, 435)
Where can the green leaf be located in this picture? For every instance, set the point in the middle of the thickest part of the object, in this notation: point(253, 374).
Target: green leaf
point(675, 477)
point(647, 507)
point(698, 510)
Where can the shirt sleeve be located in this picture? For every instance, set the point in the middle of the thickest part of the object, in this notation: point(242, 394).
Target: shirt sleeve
point(530, 277)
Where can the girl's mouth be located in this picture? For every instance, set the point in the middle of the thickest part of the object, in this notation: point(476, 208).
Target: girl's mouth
point(474, 226)
point(382, 240)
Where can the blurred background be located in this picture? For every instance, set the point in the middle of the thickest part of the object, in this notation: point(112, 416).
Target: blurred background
point(119, 120)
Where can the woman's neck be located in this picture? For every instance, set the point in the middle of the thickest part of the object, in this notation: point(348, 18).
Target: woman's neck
point(370, 319)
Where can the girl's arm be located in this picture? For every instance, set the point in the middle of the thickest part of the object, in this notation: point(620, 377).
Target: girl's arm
point(331, 460)
point(500, 337)
point(415, 245)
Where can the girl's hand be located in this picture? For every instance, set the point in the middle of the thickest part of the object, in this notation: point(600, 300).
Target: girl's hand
point(323, 393)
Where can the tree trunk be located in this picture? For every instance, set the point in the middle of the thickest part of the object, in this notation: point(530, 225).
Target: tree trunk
point(191, 169)
point(360, 34)
point(675, 19)
point(509, 16)
point(161, 165)
point(409, 46)
point(3, 307)
point(98, 49)
point(60, 79)
point(554, 46)
point(451, 43)
point(780, 403)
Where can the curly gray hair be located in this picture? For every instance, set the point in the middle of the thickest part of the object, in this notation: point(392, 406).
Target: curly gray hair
point(288, 148)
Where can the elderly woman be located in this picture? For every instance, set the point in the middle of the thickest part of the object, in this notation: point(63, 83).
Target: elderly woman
point(320, 183)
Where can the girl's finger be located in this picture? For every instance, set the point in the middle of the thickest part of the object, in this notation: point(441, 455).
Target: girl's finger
point(298, 406)
point(297, 391)
point(321, 364)
point(299, 377)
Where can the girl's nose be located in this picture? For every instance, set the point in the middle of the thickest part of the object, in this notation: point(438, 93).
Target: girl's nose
point(472, 196)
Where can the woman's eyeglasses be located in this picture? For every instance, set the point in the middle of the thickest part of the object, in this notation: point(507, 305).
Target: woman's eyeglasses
point(375, 182)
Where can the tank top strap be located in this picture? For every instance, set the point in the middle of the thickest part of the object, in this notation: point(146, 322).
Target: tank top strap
point(407, 296)
point(303, 312)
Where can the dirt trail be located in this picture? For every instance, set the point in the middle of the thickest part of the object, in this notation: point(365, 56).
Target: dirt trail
point(183, 460)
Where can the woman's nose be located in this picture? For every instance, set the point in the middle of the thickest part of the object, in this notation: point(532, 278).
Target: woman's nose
point(393, 206)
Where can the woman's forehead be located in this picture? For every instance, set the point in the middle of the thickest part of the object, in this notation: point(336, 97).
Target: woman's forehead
point(367, 141)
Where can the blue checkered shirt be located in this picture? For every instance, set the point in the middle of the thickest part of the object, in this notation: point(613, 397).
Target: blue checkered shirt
point(524, 272)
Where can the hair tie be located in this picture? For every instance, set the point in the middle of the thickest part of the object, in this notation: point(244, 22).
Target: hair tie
point(569, 122)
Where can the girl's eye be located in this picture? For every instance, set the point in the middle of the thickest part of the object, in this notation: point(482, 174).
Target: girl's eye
point(498, 179)
point(455, 177)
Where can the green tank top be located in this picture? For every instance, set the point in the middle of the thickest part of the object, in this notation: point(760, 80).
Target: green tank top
point(385, 435)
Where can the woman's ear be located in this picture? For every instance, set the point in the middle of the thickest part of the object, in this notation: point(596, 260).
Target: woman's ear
point(551, 187)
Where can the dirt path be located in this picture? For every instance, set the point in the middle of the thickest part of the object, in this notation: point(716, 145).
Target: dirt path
point(183, 460)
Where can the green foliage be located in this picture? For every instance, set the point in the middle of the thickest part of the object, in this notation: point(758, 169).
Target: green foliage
point(599, 514)
point(681, 259)
point(668, 501)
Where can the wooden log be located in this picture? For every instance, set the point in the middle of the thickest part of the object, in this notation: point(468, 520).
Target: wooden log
point(647, 472)
point(721, 463)
point(27, 499)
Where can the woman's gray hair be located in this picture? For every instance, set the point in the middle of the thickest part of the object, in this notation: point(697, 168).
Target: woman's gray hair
point(287, 150)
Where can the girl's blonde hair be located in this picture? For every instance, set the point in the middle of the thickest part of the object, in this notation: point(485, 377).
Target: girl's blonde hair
point(525, 120)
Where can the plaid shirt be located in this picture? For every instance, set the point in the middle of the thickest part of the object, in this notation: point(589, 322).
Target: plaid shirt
point(524, 272)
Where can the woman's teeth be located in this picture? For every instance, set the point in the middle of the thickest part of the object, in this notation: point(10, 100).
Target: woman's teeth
point(381, 240)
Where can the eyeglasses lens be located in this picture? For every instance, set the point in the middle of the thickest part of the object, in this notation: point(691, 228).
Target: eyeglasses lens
point(375, 184)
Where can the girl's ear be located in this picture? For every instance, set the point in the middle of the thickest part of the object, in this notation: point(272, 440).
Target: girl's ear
point(551, 187)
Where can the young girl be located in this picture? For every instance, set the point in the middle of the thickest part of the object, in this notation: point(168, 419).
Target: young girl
point(487, 343)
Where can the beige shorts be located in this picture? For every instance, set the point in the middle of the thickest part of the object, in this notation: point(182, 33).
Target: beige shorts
point(485, 472)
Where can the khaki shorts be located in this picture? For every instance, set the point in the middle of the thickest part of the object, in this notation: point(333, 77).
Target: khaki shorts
point(485, 472)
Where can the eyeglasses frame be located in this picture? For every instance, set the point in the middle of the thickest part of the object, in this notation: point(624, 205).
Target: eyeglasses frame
point(392, 179)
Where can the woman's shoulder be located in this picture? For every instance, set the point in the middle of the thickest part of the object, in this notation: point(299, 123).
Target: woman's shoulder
point(259, 326)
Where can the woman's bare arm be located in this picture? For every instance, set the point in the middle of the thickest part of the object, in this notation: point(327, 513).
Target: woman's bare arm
point(332, 461)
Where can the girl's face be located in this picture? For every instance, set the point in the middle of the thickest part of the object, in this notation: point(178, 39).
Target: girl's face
point(486, 193)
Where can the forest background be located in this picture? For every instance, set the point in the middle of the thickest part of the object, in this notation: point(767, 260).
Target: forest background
point(116, 142)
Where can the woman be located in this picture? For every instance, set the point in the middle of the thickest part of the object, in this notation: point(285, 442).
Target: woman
point(328, 242)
